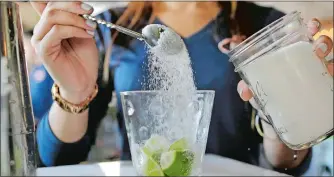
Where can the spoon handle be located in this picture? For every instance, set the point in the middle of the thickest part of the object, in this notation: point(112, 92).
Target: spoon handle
point(121, 29)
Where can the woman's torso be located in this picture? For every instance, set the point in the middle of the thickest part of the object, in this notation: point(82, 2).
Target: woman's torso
point(230, 131)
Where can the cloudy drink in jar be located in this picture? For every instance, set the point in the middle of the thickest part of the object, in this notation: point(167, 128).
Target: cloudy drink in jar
point(290, 83)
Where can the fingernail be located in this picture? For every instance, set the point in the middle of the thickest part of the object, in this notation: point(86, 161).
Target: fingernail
point(220, 44)
point(90, 32)
point(86, 7)
point(316, 24)
point(329, 57)
point(240, 90)
point(91, 23)
point(322, 47)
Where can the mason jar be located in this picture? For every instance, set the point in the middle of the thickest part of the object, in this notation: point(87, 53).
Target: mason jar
point(290, 83)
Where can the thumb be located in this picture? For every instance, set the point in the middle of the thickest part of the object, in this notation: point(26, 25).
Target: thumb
point(244, 91)
point(323, 46)
point(38, 6)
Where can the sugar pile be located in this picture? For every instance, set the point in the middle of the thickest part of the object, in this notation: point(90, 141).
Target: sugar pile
point(171, 74)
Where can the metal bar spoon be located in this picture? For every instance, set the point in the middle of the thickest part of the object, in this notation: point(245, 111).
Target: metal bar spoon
point(150, 37)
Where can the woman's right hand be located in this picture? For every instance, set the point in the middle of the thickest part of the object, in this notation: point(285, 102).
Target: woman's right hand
point(64, 42)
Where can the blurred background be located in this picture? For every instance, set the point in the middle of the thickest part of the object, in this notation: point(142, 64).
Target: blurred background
point(107, 143)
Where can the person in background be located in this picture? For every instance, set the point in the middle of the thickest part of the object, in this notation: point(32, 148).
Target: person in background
point(70, 45)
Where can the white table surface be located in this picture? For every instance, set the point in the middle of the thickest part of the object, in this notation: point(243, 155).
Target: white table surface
point(212, 166)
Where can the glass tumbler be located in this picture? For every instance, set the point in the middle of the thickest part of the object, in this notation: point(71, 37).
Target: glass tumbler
point(290, 83)
point(167, 132)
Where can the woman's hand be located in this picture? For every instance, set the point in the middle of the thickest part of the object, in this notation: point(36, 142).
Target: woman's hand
point(64, 42)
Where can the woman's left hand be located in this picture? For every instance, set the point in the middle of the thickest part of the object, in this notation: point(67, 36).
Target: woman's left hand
point(322, 47)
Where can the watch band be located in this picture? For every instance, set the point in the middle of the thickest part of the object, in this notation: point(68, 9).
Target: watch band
point(68, 106)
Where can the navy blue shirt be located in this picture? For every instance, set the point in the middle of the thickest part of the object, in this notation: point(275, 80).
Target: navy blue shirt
point(230, 133)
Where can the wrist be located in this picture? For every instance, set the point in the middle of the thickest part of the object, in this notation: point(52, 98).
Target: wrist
point(76, 97)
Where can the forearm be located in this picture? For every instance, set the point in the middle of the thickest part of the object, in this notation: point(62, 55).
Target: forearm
point(67, 127)
point(277, 153)
point(53, 151)
point(65, 138)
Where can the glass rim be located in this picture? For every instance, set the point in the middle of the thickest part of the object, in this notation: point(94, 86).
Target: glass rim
point(254, 38)
point(157, 91)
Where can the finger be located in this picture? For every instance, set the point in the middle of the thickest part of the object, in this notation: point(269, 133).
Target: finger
point(323, 46)
point(58, 33)
point(222, 45)
point(75, 7)
point(238, 38)
point(233, 45)
point(254, 104)
point(56, 17)
point(313, 26)
point(38, 6)
point(244, 92)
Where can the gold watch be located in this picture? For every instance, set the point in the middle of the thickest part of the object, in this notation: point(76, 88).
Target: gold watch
point(68, 106)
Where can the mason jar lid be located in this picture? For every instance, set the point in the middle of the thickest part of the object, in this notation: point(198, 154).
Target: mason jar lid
point(269, 38)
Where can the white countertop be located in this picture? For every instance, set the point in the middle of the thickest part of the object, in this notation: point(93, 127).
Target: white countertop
point(212, 166)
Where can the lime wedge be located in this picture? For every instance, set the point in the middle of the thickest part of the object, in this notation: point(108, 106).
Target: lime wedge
point(155, 146)
point(177, 163)
point(154, 155)
point(152, 168)
point(156, 173)
point(180, 144)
